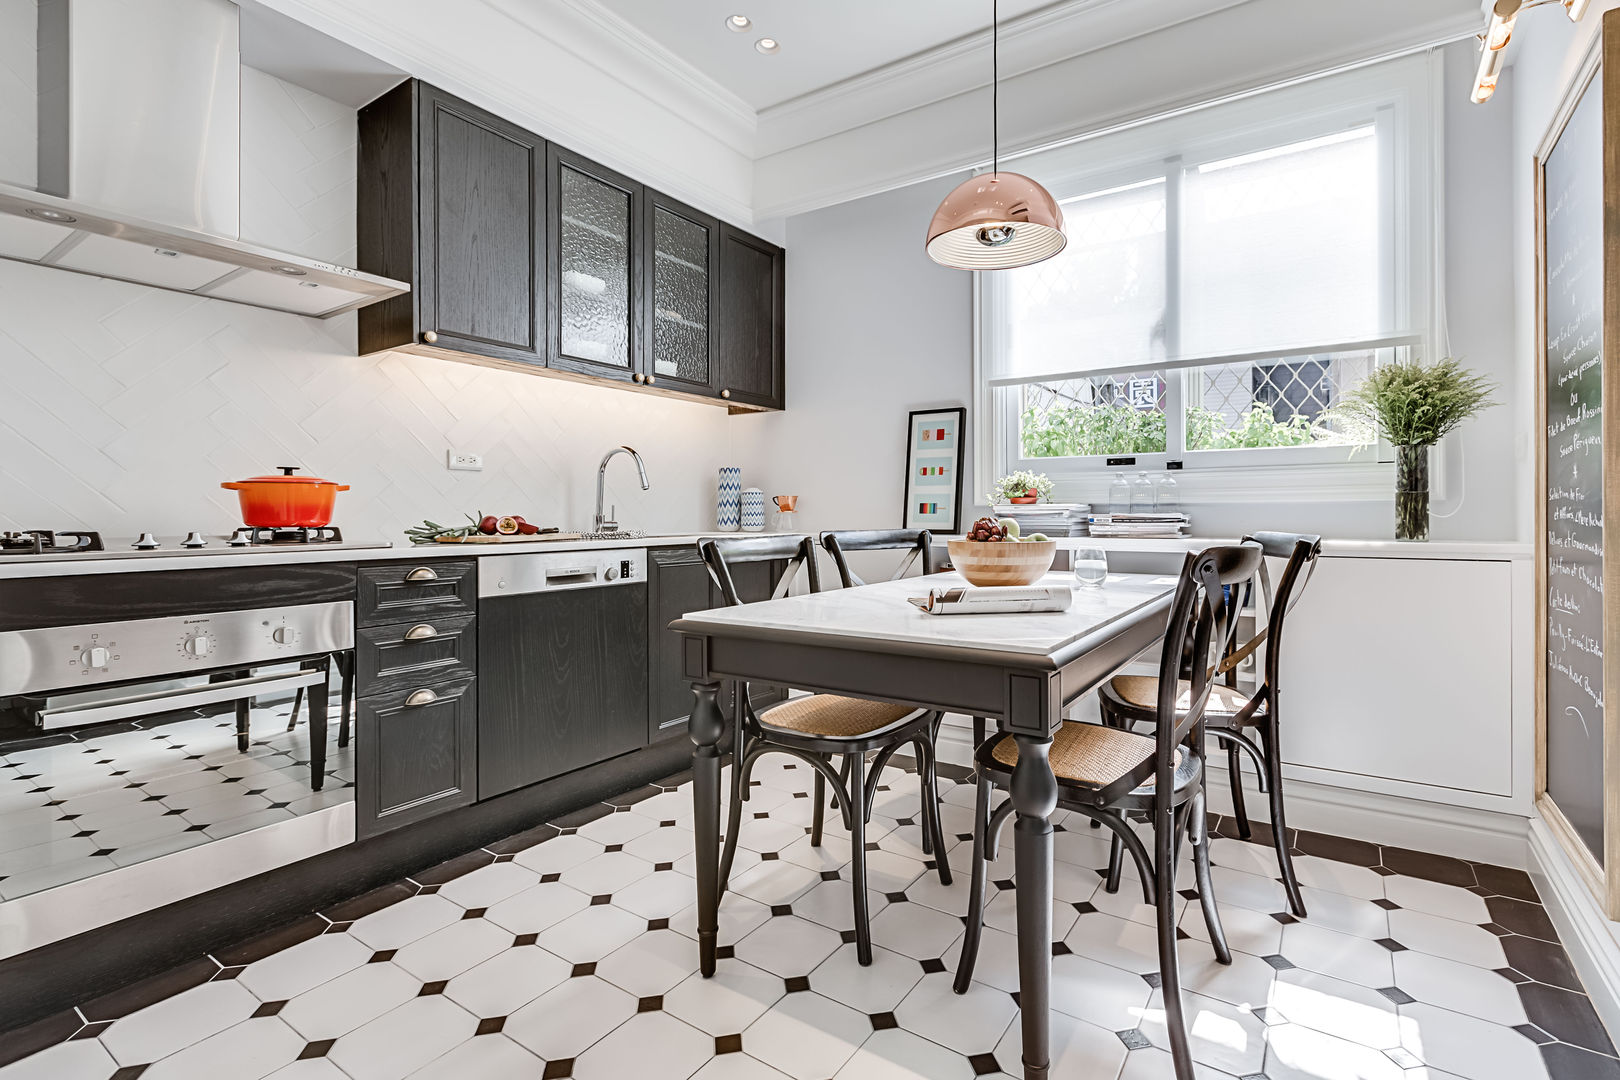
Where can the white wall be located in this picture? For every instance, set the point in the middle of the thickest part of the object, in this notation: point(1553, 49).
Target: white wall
point(123, 408)
point(875, 329)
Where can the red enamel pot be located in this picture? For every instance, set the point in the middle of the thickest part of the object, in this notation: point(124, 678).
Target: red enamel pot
point(286, 501)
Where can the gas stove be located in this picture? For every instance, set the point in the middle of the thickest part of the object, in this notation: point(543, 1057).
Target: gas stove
point(46, 542)
point(47, 545)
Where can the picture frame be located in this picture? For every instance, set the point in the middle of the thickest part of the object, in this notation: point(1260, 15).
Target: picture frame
point(933, 487)
point(1577, 740)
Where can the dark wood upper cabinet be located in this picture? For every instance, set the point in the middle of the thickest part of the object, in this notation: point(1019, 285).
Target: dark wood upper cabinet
point(750, 321)
point(596, 226)
point(683, 256)
point(451, 198)
point(523, 254)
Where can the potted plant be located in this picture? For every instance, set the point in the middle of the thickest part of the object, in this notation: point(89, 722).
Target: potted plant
point(1414, 406)
point(1022, 486)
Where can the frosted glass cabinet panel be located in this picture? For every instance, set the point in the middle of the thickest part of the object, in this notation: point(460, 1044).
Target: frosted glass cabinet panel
point(596, 294)
point(681, 271)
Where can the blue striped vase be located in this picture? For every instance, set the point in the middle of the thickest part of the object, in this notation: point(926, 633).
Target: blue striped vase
point(727, 508)
point(753, 510)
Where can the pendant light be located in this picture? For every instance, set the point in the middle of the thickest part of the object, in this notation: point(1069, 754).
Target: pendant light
point(996, 220)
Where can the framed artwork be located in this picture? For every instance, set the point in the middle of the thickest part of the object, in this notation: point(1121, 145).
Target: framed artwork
point(1578, 470)
point(934, 470)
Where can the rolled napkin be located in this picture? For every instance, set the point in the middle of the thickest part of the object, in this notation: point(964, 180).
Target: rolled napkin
point(994, 600)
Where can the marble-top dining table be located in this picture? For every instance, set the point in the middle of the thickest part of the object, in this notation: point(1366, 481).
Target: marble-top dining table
point(868, 642)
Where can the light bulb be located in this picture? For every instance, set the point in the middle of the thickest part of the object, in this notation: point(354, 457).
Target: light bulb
point(1500, 30)
point(1576, 9)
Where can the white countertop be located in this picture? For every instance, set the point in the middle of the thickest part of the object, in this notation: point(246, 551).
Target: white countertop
point(1488, 550)
point(217, 554)
point(879, 612)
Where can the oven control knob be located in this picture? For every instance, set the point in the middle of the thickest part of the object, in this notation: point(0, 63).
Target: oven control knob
point(197, 645)
point(96, 657)
point(284, 635)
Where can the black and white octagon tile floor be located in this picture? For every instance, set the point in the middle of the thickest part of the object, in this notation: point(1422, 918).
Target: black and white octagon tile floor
point(568, 951)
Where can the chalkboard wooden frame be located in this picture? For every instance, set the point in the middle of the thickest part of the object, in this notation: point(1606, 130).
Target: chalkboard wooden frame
point(1599, 73)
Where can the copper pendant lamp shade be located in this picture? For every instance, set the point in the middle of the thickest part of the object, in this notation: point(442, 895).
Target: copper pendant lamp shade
point(997, 220)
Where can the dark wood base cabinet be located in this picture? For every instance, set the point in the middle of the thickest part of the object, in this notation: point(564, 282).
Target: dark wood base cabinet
point(415, 755)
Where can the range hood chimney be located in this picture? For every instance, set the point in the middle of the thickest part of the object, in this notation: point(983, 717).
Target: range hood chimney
point(139, 161)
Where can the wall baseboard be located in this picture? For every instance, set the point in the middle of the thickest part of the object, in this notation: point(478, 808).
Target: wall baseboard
point(1462, 832)
point(1590, 939)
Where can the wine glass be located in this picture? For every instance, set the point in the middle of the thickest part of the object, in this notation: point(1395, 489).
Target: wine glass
point(1090, 566)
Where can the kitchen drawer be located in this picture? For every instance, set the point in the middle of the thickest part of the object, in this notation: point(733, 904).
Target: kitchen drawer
point(417, 755)
point(430, 589)
point(404, 655)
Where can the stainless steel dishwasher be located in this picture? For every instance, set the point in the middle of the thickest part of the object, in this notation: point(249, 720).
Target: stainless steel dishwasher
point(562, 657)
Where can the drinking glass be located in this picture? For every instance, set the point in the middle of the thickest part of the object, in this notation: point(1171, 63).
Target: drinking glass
point(1090, 566)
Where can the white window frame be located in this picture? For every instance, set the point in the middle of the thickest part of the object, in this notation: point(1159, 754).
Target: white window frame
point(1398, 97)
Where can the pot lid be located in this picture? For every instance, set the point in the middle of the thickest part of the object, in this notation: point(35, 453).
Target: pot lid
point(287, 477)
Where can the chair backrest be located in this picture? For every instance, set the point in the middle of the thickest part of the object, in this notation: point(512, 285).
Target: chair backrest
point(1197, 627)
point(1301, 551)
point(917, 542)
point(719, 555)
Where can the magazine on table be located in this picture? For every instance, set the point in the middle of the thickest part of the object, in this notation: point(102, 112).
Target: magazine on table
point(994, 600)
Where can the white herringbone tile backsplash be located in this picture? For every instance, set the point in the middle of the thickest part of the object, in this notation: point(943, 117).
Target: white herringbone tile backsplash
point(123, 408)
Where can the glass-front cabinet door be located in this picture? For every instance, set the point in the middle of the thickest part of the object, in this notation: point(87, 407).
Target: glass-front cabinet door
point(683, 251)
point(596, 269)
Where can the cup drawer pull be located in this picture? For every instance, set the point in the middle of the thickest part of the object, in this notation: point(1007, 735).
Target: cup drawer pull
point(421, 632)
point(421, 697)
point(422, 573)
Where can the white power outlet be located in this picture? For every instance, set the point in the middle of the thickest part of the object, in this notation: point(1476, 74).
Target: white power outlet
point(461, 461)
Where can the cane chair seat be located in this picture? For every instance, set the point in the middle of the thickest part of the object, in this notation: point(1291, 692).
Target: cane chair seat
point(1091, 756)
point(833, 717)
point(1142, 691)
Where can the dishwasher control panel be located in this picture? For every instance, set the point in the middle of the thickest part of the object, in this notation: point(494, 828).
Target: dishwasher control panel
point(517, 575)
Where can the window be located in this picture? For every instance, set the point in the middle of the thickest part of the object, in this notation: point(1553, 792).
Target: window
point(1231, 273)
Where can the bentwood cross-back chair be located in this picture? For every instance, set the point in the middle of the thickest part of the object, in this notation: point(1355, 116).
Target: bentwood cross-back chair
point(1105, 774)
point(918, 545)
point(1244, 724)
point(817, 727)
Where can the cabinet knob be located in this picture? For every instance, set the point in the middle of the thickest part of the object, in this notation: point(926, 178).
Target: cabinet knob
point(421, 632)
point(651, 379)
point(422, 573)
point(430, 336)
point(639, 377)
point(421, 697)
point(725, 393)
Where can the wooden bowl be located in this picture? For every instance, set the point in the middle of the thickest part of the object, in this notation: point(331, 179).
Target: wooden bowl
point(1003, 563)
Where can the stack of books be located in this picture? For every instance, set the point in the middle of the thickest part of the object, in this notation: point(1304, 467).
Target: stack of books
point(1052, 519)
point(1147, 525)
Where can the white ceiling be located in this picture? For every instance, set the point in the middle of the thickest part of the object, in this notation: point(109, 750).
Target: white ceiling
point(823, 41)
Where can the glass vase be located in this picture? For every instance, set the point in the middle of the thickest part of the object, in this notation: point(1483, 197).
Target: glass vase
point(1411, 493)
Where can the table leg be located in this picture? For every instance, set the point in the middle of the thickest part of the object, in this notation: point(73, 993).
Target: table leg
point(706, 725)
point(1034, 796)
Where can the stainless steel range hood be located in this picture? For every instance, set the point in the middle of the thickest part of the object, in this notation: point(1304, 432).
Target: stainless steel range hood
point(140, 161)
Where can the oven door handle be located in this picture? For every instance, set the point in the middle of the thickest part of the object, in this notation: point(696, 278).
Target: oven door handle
point(145, 704)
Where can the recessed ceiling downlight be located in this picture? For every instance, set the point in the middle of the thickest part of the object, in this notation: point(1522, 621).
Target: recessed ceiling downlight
point(768, 45)
point(738, 23)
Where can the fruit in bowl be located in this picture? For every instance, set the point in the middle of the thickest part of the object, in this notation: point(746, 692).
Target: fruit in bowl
point(993, 553)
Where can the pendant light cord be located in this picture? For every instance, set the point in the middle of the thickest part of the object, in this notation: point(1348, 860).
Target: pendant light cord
point(995, 87)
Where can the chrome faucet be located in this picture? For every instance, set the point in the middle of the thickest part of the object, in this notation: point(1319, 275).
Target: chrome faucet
point(606, 524)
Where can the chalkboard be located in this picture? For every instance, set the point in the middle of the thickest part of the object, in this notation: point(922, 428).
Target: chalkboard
point(1572, 191)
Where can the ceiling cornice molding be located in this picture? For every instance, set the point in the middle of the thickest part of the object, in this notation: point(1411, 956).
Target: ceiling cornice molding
point(925, 143)
point(395, 42)
point(621, 50)
point(1047, 36)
